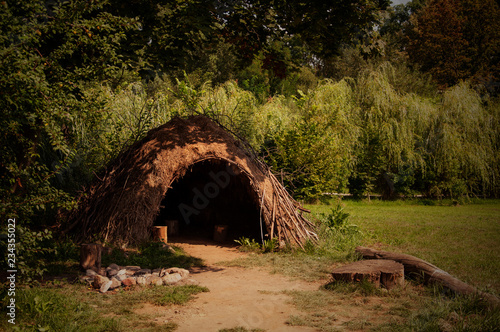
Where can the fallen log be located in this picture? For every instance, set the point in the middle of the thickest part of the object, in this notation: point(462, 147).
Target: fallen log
point(431, 273)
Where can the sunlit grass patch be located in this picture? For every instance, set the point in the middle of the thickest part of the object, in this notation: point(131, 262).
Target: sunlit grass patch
point(75, 308)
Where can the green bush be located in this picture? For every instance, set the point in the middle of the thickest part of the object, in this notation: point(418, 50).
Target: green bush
point(336, 233)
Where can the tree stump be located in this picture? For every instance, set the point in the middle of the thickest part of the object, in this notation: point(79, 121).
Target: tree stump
point(378, 272)
point(160, 233)
point(90, 256)
point(220, 233)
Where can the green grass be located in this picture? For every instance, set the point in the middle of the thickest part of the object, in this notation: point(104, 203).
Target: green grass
point(462, 240)
point(72, 307)
point(408, 308)
point(61, 305)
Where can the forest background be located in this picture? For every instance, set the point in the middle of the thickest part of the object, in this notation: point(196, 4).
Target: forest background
point(356, 97)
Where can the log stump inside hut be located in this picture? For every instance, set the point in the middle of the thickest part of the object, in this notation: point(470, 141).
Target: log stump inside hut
point(90, 256)
point(220, 233)
point(160, 233)
point(378, 272)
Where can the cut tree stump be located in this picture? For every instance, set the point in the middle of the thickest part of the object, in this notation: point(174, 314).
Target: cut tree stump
point(160, 233)
point(220, 233)
point(431, 273)
point(380, 272)
point(90, 256)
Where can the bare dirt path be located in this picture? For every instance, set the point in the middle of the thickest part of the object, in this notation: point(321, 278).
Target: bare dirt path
point(251, 298)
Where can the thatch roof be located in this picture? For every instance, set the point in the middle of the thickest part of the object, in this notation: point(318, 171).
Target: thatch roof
point(122, 205)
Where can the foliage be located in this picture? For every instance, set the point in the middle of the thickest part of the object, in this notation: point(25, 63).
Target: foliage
point(32, 250)
point(40, 309)
point(48, 52)
point(314, 153)
point(247, 244)
point(456, 39)
point(81, 81)
point(336, 232)
point(61, 306)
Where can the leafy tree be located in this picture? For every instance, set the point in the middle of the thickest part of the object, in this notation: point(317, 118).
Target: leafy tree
point(456, 39)
point(172, 35)
point(49, 51)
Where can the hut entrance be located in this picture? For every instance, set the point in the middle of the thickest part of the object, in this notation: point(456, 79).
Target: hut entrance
point(212, 195)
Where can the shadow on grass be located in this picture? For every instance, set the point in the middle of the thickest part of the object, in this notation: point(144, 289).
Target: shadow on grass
point(151, 256)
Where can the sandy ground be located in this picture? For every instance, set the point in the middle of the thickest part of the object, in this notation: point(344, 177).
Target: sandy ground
point(251, 298)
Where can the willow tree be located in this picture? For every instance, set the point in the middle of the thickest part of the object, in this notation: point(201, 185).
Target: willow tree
point(464, 144)
point(315, 150)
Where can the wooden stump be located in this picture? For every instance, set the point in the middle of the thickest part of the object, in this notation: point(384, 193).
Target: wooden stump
point(220, 233)
point(160, 233)
point(90, 256)
point(378, 272)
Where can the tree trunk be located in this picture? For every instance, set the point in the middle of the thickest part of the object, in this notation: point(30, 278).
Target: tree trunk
point(90, 257)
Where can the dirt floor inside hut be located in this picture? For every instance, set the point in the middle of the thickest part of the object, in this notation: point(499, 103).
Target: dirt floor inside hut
point(239, 297)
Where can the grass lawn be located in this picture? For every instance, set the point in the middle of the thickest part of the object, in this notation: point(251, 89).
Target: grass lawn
point(463, 240)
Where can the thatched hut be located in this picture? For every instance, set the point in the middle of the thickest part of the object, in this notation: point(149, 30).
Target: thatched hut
point(196, 172)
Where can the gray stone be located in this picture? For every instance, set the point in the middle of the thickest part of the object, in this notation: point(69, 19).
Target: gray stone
point(104, 288)
point(111, 272)
point(183, 272)
point(99, 281)
point(171, 278)
point(121, 272)
point(155, 281)
point(115, 283)
point(131, 270)
point(87, 280)
point(90, 273)
point(121, 277)
point(132, 267)
point(113, 267)
point(142, 271)
point(141, 281)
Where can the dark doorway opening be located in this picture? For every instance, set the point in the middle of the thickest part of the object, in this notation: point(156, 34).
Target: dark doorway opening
point(212, 193)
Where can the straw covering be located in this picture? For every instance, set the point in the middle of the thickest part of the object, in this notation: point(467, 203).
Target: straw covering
point(123, 204)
